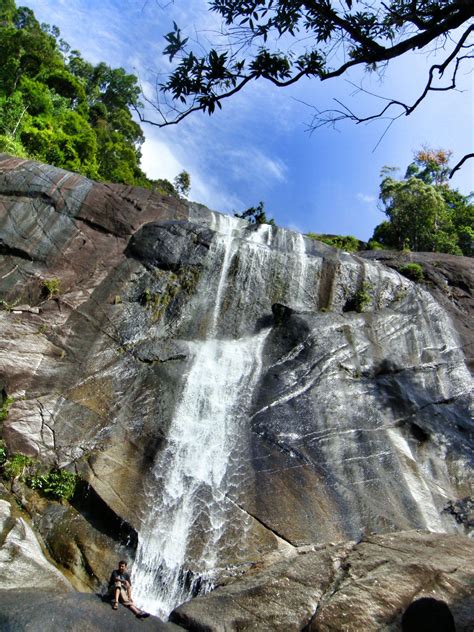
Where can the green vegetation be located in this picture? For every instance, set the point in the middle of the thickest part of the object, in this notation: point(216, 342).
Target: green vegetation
point(55, 484)
point(183, 281)
point(7, 306)
point(412, 271)
point(362, 297)
point(424, 213)
point(256, 215)
point(374, 245)
point(60, 109)
point(182, 184)
point(3, 452)
point(15, 466)
point(343, 242)
point(284, 41)
point(51, 287)
point(5, 407)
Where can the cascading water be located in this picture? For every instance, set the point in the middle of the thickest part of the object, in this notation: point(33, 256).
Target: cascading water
point(195, 512)
point(192, 472)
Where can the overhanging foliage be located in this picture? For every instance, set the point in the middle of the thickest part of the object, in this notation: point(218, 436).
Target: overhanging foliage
point(284, 41)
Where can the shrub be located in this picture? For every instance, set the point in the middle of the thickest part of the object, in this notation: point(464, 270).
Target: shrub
point(412, 271)
point(343, 242)
point(375, 245)
point(3, 452)
point(256, 215)
point(362, 297)
point(5, 407)
point(161, 185)
point(7, 306)
point(56, 484)
point(51, 287)
point(15, 466)
point(10, 145)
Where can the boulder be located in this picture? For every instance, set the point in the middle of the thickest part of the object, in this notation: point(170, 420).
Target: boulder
point(22, 562)
point(37, 611)
point(365, 585)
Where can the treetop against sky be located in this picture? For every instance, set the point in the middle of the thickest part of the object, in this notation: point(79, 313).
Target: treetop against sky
point(260, 146)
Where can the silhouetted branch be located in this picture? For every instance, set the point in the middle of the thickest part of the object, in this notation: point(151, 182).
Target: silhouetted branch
point(205, 89)
point(331, 117)
point(459, 164)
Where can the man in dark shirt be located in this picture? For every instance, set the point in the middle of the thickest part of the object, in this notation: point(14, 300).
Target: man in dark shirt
point(120, 587)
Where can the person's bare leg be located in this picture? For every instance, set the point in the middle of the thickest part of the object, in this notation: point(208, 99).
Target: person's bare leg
point(134, 609)
point(141, 614)
point(115, 602)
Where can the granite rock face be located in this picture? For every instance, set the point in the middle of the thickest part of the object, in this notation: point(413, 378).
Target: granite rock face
point(450, 280)
point(355, 415)
point(342, 588)
point(22, 562)
point(28, 611)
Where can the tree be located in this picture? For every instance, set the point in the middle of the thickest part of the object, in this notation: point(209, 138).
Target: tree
point(7, 11)
point(256, 215)
point(424, 213)
point(319, 39)
point(59, 108)
point(182, 184)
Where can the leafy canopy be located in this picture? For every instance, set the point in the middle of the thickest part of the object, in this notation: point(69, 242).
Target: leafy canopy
point(256, 215)
point(424, 213)
point(58, 108)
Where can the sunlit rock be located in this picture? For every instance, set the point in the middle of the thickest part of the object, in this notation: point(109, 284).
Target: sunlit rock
point(22, 562)
point(229, 391)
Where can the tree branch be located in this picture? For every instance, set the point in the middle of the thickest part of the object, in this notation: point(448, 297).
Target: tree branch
point(333, 116)
point(441, 21)
point(459, 164)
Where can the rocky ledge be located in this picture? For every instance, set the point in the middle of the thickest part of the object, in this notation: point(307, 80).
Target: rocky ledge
point(344, 587)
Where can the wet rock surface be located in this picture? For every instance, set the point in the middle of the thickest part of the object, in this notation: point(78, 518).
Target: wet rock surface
point(359, 418)
point(450, 280)
point(22, 562)
point(171, 245)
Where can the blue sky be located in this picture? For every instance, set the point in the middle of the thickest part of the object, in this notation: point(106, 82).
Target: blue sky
point(258, 147)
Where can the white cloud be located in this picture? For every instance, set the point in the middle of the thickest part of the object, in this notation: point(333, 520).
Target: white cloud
point(253, 163)
point(159, 161)
point(211, 193)
point(368, 199)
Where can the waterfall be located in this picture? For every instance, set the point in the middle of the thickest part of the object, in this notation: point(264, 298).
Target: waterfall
point(192, 472)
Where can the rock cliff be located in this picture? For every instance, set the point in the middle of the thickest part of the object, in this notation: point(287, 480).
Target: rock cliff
point(228, 393)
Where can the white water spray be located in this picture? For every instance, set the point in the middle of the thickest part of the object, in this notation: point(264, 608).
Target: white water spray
point(192, 473)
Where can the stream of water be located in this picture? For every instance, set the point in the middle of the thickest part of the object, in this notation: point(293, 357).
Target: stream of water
point(192, 488)
point(192, 473)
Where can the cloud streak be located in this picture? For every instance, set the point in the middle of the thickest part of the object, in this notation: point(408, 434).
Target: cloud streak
point(367, 199)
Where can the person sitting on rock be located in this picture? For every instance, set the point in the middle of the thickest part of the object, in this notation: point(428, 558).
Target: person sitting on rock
point(120, 587)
